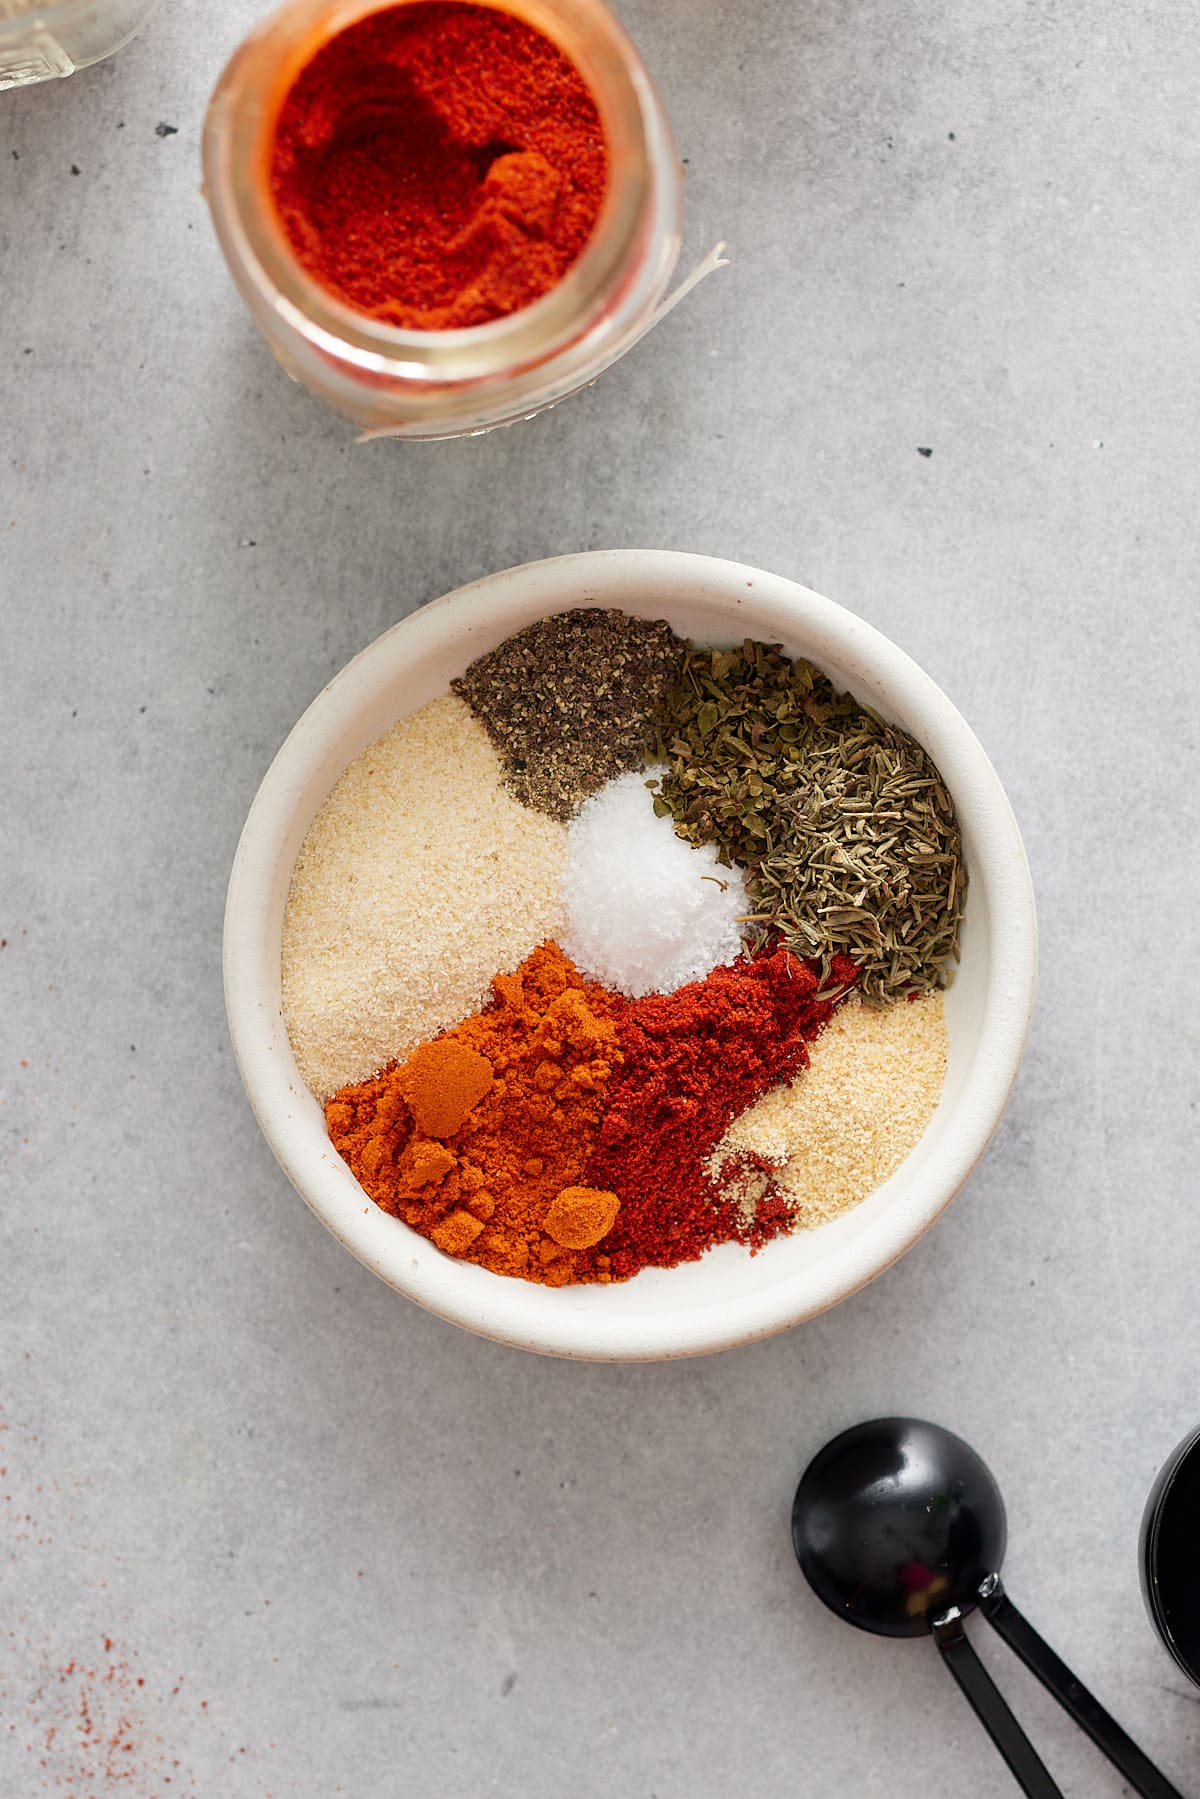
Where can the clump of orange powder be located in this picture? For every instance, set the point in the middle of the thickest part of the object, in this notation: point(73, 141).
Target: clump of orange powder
point(481, 1140)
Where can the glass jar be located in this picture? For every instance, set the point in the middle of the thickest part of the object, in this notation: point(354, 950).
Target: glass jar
point(448, 383)
point(43, 38)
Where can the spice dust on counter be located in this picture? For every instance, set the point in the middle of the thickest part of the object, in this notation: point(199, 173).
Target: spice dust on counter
point(826, 1141)
point(572, 701)
point(439, 165)
point(91, 1716)
point(420, 877)
point(88, 1729)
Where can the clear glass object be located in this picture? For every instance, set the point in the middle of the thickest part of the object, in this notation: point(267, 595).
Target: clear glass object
point(40, 39)
point(448, 383)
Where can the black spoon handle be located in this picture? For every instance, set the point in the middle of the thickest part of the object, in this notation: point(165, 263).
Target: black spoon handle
point(1071, 1694)
point(990, 1708)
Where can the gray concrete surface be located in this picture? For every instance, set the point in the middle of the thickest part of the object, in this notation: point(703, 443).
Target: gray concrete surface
point(337, 1546)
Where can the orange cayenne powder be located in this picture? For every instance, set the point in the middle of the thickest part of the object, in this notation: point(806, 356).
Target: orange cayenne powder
point(505, 1185)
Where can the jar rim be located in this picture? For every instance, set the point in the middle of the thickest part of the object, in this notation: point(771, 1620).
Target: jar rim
point(239, 131)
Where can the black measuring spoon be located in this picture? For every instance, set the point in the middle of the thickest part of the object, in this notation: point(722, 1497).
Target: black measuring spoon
point(1170, 1555)
point(900, 1529)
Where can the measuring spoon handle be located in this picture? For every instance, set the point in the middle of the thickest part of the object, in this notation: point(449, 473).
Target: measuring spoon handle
point(1071, 1694)
point(990, 1708)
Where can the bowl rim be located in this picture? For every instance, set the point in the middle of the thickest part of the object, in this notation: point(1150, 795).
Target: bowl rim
point(516, 1312)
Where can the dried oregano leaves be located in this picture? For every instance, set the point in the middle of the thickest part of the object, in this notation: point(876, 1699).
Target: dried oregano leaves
point(844, 826)
point(572, 701)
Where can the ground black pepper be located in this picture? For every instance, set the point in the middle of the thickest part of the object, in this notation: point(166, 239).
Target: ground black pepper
point(570, 702)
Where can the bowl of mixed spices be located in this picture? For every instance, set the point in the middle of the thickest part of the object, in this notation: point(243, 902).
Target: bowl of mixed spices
point(630, 955)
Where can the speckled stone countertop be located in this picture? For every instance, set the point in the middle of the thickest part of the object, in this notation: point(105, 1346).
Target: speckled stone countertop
point(268, 1524)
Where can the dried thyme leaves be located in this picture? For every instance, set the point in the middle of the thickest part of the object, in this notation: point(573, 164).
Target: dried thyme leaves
point(571, 701)
point(868, 859)
point(845, 828)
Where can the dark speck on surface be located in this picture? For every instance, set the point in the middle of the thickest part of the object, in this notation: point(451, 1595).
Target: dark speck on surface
point(74, 168)
point(950, 135)
point(507, 1685)
point(162, 129)
point(922, 451)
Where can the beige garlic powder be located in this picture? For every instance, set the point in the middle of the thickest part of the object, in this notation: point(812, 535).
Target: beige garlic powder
point(420, 879)
point(847, 1121)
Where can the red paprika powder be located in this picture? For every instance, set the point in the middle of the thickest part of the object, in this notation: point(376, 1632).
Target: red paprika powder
point(438, 165)
point(692, 1060)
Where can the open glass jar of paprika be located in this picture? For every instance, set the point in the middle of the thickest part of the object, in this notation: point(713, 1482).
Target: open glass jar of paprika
point(333, 107)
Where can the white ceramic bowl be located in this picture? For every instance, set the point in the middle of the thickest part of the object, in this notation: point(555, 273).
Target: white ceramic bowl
point(729, 1296)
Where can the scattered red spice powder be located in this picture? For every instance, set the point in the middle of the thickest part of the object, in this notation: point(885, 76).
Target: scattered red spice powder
point(439, 165)
point(692, 1060)
point(88, 1735)
point(83, 1720)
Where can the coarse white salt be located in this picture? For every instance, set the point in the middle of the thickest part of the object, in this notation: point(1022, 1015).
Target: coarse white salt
point(420, 879)
point(646, 913)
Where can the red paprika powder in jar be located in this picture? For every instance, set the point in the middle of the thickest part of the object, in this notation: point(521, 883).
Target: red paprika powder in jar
point(443, 214)
point(439, 164)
